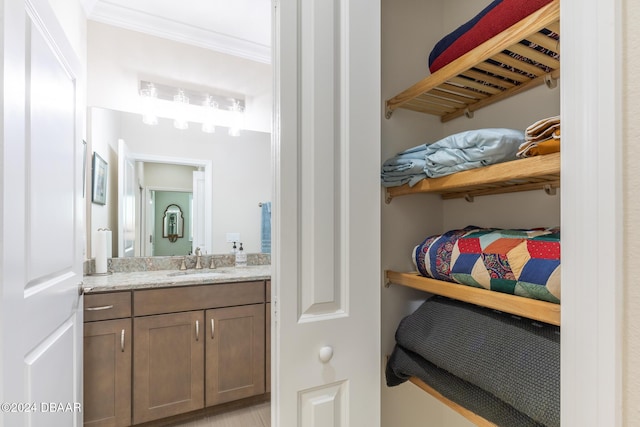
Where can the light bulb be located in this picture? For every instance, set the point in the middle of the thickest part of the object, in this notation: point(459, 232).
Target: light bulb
point(148, 97)
point(208, 124)
point(236, 119)
point(180, 119)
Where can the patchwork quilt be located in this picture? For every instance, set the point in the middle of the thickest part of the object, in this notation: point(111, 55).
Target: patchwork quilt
point(518, 262)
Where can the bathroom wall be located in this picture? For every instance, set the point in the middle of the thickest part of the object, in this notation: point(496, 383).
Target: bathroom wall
point(166, 177)
point(102, 138)
point(631, 196)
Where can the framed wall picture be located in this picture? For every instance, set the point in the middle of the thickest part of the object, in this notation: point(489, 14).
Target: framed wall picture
point(99, 180)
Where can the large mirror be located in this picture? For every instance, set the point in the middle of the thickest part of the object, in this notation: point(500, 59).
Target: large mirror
point(239, 167)
point(235, 181)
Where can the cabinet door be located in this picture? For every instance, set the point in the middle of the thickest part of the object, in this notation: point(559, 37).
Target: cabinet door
point(168, 365)
point(267, 353)
point(107, 373)
point(235, 353)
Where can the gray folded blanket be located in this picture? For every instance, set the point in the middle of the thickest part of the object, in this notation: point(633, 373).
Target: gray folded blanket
point(404, 364)
point(516, 360)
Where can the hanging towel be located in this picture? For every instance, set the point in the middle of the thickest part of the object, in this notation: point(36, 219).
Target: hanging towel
point(265, 228)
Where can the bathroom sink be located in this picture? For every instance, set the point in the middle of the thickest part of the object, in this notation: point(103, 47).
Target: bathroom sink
point(199, 273)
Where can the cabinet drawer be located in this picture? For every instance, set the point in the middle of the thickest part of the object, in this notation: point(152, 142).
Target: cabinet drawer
point(112, 305)
point(187, 298)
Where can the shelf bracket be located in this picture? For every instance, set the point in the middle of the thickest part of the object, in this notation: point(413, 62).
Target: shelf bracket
point(388, 112)
point(468, 113)
point(550, 81)
point(549, 189)
point(468, 197)
point(387, 282)
point(387, 196)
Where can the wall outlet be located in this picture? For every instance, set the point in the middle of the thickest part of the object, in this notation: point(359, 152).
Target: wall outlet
point(233, 237)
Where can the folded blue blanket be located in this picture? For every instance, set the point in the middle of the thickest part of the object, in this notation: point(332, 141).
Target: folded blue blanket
point(461, 151)
point(472, 149)
point(402, 170)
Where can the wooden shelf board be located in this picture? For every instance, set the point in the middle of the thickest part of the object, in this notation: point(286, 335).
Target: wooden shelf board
point(551, 184)
point(471, 416)
point(546, 17)
point(529, 84)
point(518, 175)
point(542, 311)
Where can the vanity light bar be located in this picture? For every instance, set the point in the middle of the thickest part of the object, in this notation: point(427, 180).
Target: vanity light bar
point(196, 98)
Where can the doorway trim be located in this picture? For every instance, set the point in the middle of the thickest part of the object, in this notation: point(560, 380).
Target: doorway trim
point(592, 213)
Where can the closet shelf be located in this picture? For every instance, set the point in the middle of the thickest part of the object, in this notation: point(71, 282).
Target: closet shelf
point(530, 308)
point(475, 80)
point(471, 416)
point(532, 173)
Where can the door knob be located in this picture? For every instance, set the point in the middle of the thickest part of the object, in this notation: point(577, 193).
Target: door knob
point(326, 353)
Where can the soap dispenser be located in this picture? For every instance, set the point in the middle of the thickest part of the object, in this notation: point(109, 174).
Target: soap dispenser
point(234, 249)
point(241, 257)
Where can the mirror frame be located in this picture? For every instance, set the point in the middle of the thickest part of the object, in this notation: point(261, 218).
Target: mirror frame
point(178, 233)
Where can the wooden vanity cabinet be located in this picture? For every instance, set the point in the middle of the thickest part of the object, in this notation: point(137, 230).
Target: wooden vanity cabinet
point(193, 346)
point(168, 375)
point(235, 353)
point(197, 346)
point(107, 360)
point(267, 353)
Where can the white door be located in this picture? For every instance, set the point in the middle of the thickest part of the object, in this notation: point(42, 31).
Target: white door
point(326, 215)
point(42, 221)
point(127, 190)
point(148, 237)
point(198, 216)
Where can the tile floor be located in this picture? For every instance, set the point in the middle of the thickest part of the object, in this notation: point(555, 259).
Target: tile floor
point(253, 416)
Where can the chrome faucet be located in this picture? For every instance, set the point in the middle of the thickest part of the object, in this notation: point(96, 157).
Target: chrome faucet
point(198, 256)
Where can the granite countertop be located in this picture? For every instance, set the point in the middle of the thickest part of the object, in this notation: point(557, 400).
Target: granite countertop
point(172, 278)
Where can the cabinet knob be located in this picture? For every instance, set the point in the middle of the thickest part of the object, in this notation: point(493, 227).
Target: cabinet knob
point(326, 353)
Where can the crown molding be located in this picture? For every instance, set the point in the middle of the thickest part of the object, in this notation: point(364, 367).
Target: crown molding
point(134, 20)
